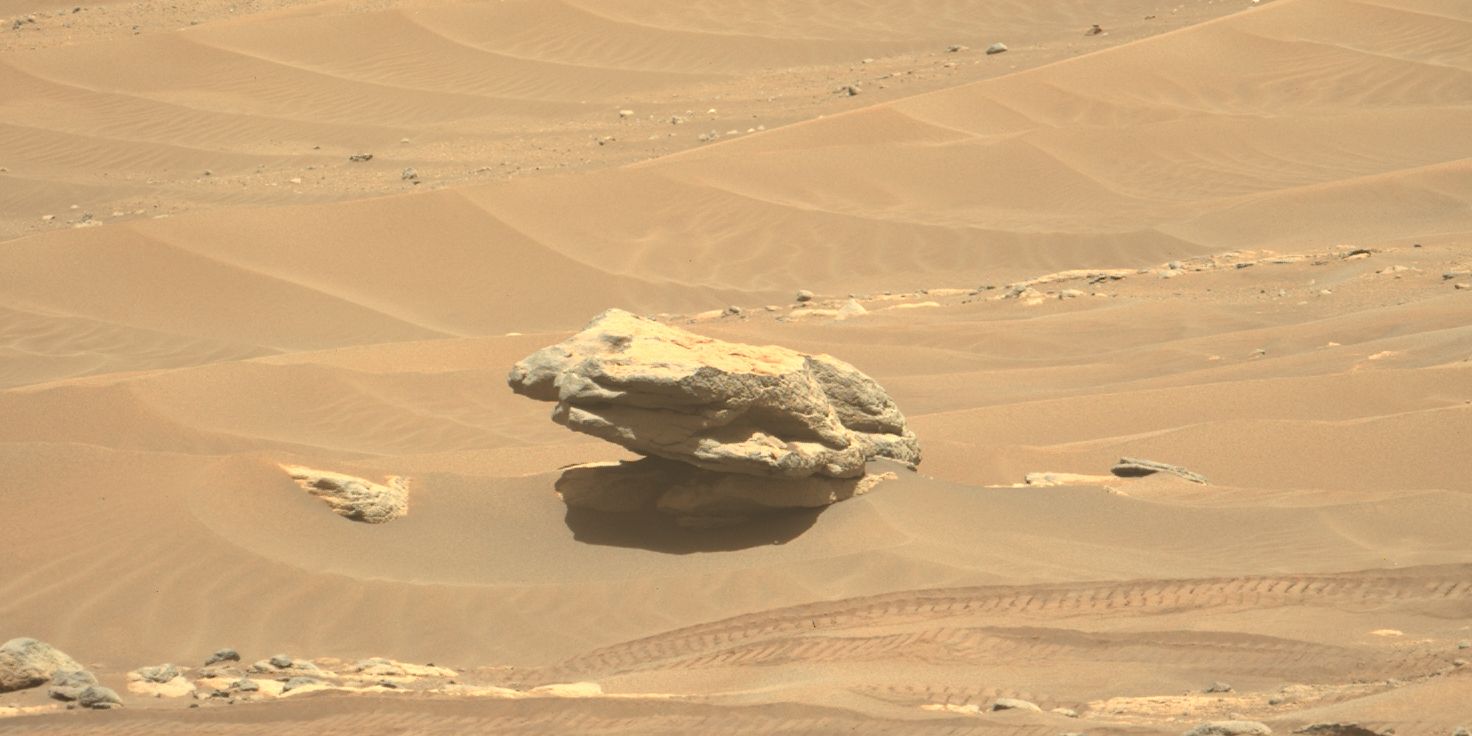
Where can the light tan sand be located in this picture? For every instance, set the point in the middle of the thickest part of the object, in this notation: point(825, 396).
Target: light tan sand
point(1143, 243)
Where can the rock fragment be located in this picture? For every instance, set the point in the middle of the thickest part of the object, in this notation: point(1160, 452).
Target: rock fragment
point(352, 497)
point(1218, 687)
point(361, 157)
point(996, 48)
point(1130, 467)
point(68, 685)
point(26, 662)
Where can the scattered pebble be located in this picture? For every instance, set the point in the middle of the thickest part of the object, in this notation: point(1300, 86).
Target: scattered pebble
point(361, 157)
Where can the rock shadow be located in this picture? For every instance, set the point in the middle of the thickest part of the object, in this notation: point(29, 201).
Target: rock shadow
point(674, 508)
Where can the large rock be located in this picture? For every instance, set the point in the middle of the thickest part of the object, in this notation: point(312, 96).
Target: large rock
point(728, 407)
point(27, 663)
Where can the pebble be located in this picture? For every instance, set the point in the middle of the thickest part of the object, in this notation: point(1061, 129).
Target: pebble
point(996, 48)
point(803, 295)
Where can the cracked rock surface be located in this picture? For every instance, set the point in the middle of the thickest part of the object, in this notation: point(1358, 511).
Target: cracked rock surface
point(728, 407)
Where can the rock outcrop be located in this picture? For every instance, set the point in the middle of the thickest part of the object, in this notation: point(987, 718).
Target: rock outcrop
point(28, 662)
point(726, 407)
point(353, 497)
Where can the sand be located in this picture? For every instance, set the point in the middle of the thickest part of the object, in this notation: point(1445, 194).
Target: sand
point(1229, 236)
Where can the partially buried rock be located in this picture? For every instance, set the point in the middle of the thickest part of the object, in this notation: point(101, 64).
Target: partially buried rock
point(352, 497)
point(99, 697)
point(1015, 704)
point(727, 407)
point(28, 662)
point(158, 673)
point(1131, 467)
point(297, 683)
point(996, 48)
point(68, 684)
point(1336, 729)
point(1230, 728)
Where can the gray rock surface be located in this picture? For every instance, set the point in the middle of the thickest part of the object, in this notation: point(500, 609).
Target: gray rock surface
point(26, 662)
point(297, 682)
point(1336, 729)
point(97, 696)
point(68, 684)
point(223, 655)
point(280, 661)
point(1230, 728)
point(158, 673)
point(757, 410)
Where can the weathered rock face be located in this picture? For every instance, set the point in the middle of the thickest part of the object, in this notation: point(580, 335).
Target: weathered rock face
point(354, 498)
point(761, 411)
point(27, 663)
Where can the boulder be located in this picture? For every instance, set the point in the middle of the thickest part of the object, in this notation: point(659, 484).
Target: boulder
point(763, 411)
point(28, 662)
point(352, 497)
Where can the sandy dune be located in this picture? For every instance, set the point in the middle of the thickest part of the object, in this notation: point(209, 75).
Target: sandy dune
point(1231, 236)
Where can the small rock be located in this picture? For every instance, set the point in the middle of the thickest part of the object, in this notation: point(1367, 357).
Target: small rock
point(297, 682)
point(223, 655)
point(158, 673)
point(409, 174)
point(850, 90)
point(996, 48)
point(1218, 687)
point(361, 157)
point(47, 218)
point(1260, 352)
point(68, 685)
point(1094, 30)
point(955, 48)
point(626, 113)
point(677, 120)
point(803, 295)
point(1461, 731)
point(1464, 644)
point(244, 685)
point(1357, 253)
point(1230, 728)
point(97, 696)
point(1014, 704)
point(280, 661)
point(733, 311)
point(1066, 712)
point(1463, 286)
point(1070, 294)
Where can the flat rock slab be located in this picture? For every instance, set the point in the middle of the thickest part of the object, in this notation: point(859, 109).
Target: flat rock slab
point(756, 410)
point(1130, 467)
